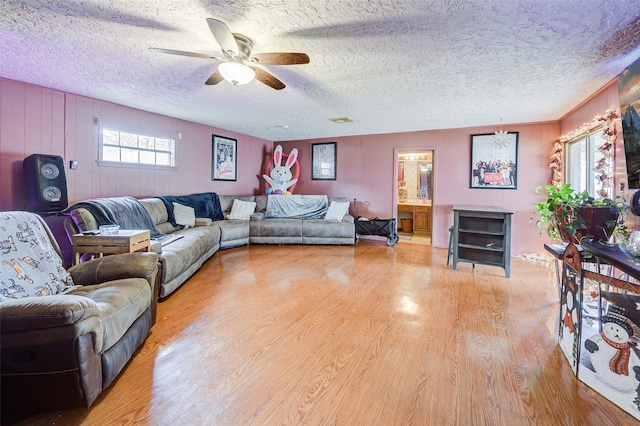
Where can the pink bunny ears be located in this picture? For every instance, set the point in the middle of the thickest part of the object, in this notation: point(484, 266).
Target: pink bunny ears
point(291, 159)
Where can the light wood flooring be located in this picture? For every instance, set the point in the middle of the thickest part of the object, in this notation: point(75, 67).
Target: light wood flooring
point(410, 237)
point(356, 335)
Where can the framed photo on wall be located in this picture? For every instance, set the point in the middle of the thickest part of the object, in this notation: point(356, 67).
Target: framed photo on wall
point(224, 158)
point(323, 161)
point(494, 160)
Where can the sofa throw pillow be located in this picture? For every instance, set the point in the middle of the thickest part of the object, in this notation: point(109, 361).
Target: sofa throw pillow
point(242, 210)
point(29, 265)
point(337, 210)
point(184, 215)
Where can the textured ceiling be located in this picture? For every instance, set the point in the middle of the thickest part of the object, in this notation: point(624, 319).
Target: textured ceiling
point(390, 65)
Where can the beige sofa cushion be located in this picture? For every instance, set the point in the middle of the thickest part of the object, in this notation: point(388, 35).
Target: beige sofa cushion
point(261, 203)
point(156, 208)
point(83, 219)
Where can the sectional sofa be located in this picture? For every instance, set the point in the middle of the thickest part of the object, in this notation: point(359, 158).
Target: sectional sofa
point(187, 248)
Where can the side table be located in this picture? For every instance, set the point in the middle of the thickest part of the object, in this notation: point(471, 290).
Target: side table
point(125, 241)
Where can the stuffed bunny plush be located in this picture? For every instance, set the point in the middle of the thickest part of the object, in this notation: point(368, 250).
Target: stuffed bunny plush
point(280, 179)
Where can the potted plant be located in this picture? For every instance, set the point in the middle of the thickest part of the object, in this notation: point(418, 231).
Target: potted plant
point(570, 216)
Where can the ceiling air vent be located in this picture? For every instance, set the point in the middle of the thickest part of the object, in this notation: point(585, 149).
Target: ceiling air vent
point(341, 120)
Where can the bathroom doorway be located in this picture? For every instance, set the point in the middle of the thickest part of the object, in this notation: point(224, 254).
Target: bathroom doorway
point(414, 188)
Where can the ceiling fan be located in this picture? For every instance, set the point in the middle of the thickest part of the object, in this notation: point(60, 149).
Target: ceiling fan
point(238, 65)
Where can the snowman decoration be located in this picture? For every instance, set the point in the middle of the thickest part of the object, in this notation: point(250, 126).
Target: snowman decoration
point(569, 318)
point(613, 357)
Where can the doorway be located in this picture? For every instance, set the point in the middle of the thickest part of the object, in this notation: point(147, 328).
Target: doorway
point(414, 189)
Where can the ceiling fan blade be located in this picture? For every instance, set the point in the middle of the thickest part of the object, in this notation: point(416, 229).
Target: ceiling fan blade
point(183, 53)
point(280, 58)
point(215, 78)
point(268, 79)
point(223, 36)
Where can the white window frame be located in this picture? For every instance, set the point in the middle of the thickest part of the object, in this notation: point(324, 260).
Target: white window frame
point(593, 140)
point(171, 151)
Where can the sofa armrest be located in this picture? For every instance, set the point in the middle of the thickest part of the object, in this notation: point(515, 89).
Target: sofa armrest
point(348, 218)
point(203, 221)
point(115, 267)
point(32, 320)
point(45, 312)
point(50, 345)
point(257, 216)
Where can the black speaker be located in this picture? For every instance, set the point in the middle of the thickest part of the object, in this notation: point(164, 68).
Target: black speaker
point(45, 184)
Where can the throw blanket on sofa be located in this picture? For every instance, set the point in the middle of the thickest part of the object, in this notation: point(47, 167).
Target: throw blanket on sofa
point(127, 212)
point(29, 265)
point(205, 205)
point(296, 206)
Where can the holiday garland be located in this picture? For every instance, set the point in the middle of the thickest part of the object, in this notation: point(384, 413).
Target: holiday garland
point(603, 167)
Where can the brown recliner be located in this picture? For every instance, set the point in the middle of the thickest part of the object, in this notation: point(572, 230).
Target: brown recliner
point(60, 351)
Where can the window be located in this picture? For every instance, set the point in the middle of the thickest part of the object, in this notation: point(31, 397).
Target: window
point(124, 147)
point(582, 156)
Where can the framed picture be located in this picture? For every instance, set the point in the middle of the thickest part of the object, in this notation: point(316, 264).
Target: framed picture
point(323, 161)
point(224, 158)
point(494, 160)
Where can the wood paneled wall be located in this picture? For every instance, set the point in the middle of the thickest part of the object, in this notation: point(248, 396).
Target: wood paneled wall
point(366, 170)
point(38, 120)
point(34, 119)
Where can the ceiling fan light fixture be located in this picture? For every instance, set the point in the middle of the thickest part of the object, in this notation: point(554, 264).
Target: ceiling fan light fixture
point(236, 73)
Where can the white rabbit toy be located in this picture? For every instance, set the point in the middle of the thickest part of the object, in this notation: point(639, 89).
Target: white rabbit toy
point(281, 178)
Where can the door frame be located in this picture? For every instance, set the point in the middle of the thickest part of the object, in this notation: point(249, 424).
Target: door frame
point(434, 212)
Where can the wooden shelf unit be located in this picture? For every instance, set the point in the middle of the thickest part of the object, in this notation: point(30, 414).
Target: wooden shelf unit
point(482, 235)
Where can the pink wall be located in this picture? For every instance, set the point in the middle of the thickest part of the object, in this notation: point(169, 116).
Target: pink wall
point(38, 120)
point(605, 99)
point(34, 119)
point(366, 170)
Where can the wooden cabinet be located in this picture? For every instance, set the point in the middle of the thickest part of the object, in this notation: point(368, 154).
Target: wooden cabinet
point(421, 215)
point(482, 235)
point(422, 219)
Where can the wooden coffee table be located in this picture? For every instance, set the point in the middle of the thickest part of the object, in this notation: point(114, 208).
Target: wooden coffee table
point(125, 241)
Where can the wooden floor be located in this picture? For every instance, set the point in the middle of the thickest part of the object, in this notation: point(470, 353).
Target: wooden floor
point(358, 335)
